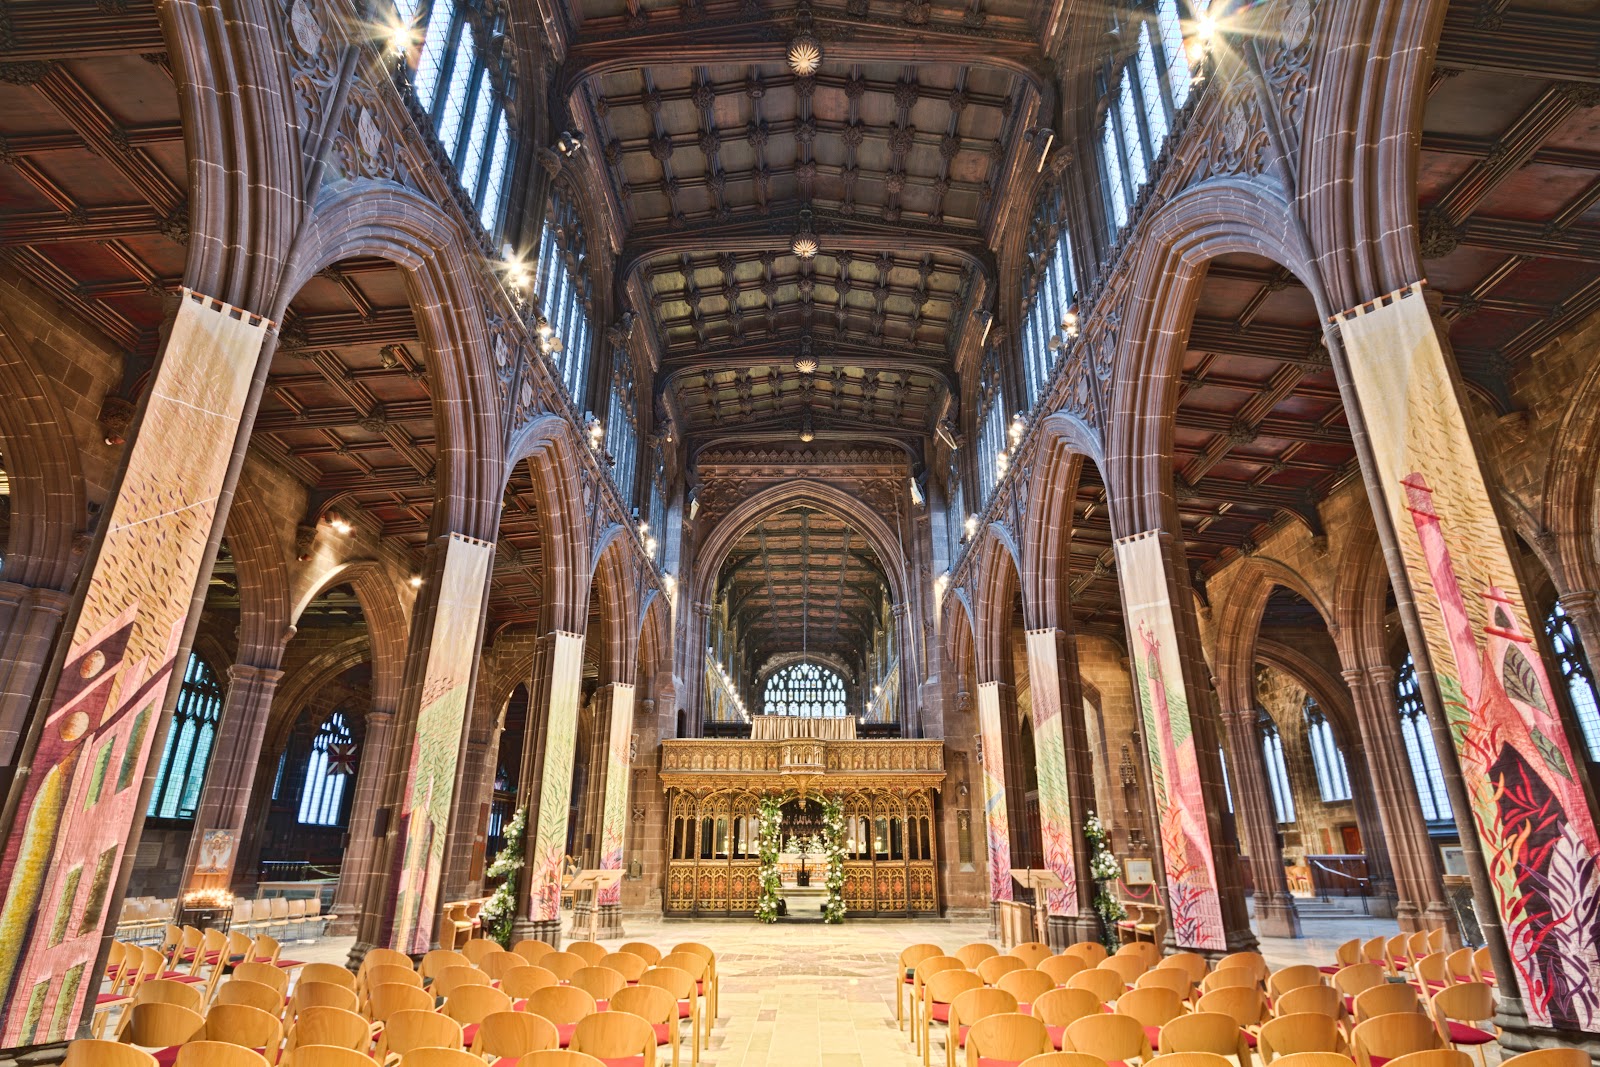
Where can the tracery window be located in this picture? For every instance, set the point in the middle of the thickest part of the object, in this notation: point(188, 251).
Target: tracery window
point(1333, 778)
point(561, 285)
point(462, 80)
point(1053, 286)
point(1418, 737)
point(1574, 667)
point(956, 508)
point(804, 691)
point(991, 426)
point(622, 427)
point(322, 796)
point(1142, 95)
point(189, 741)
point(1277, 768)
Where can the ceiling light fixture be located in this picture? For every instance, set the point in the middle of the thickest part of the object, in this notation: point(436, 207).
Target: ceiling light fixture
point(805, 244)
point(807, 434)
point(569, 143)
point(416, 581)
point(805, 53)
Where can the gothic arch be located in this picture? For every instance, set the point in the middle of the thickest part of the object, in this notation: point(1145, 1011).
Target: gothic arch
point(616, 586)
point(550, 446)
point(1064, 443)
point(388, 622)
point(998, 583)
point(266, 617)
point(1238, 622)
point(1569, 507)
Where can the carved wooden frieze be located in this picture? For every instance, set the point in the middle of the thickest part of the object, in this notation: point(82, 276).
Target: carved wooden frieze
point(691, 763)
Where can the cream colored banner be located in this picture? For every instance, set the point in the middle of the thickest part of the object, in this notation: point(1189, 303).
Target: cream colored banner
point(996, 823)
point(614, 820)
point(1193, 902)
point(555, 784)
point(436, 748)
point(1519, 767)
point(1050, 756)
point(80, 796)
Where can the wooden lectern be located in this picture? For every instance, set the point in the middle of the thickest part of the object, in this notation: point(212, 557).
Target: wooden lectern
point(1041, 882)
point(592, 882)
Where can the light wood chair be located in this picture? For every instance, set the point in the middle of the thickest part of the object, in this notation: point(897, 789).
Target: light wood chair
point(1394, 1035)
point(1190, 1059)
point(1306, 1031)
point(170, 991)
point(712, 989)
point(1465, 1015)
point(510, 1035)
point(1061, 968)
point(428, 1056)
point(991, 969)
point(1397, 954)
point(591, 951)
point(320, 995)
point(1145, 951)
point(479, 948)
point(1315, 1059)
point(436, 960)
point(1102, 982)
point(599, 982)
point(497, 964)
point(559, 1057)
point(564, 1006)
point(1211, 1032)
point(91, 1052)
point(469, 1005)
point(1031, 952)
point(938, 991)
point(1064, 1059)
point(1549, 1057)
point(1429, 974)
point(617, 1038)
point(218, 1054)
point(1322, 999)
point(1344, 956)
point(323, 1025)
point(240, 1024)
point(1230, 978)
point(1006, 1038)
point(1458, 965)
point(1027, 985)
point(563, 964)
point(331, 973)
point(626, 964)
point(1245, 1005)
point(1483, 965)
point(643, 949)
point(518, 982)
point(264, 973)
point(1191, 963)
point(391, 997)
point(905, 974)
point(1174, 978)
point(532, 949)
point(680, 984)
point(254, 994)
point(325, 1056)
point(409, 1029)
point(1154, 1007)
point(969, 1007)
point(1296, 977)
point(920, 974)
point(1092, 953)
point(1129, 968)
point(974, 954)
point(1114, 1038)
point(454, 977)
point(699, 969)
point(384, 956)
point(155, 1024)
point(1060, 1008)
point(1387, 999)
point(655, 1006)
point(1434, 1057)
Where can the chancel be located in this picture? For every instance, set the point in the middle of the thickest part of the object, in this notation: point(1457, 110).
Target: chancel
point(817, 532)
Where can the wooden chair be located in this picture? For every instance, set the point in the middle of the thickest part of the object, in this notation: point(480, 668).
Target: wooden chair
point(469, 1005)
point(563, 1005)
point(626, 964)
point(436, 960)
point(992, 968)
point(1483, 965)
point(497, 964)
point(377, 955)
point(1391, 1036)
point(712, 988)
point(477, 949)
point(169, 991)
point(386, 1000)
point(1006, 1038)
point(1230, 978)
point(521, 981)
point(409, 1029)
point(323, 1025)
point(1438, 940)
point(532, 950)
point(1458, 966)
point(1190, 1059)
point(1428, 974)
point(1092, 953)
point(905, 974)
point(655, 1006)
point(1397, 954)
point(969, 1007)
point(90, 1052)
point(154, 1024)
point(1211, 1032)
point(428, 1056)
point(617, 1038)
point(1245, 1005)
point(1322, 999)
point(591, 952)
point(1060, 968)
point(563, 964)
point(1174, 978)
point(331, 973)
point(1358, 978)
point(601, 983)
point(240, 1024)
point(920, 974)
point(1113, 1038)
point(326, 1056)
point(138, 966)
point(699, 969)
point(507, 1036)
point(454, 977)
point(1144, 951)
point(321, 995)
point(1344, 956)
point(680, 984)
point(1549, 1057)
point(1434, 1057)
point(1297, 977)
point(643, 949)
point(1191, 963)
point(559, 1057)
point(389, 974)
point(938, 991)
point(252, 994)
point(1027, 985)
point(1315, 1059)
point(1154, 1007)
point(1031, 952)
point(1129, 968)
point(217, 1054)
point(1103, 983)
point(1308, 1031)
point(1387, 999)
point(264, 973)
point(1060, 1008)
point(1063, 1059)
point(974, 954)
point(1465, 1014)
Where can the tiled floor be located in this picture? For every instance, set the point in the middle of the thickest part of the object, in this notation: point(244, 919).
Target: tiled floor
point(823, 996)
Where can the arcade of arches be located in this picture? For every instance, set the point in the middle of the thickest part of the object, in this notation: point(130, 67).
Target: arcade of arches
point(645, 417)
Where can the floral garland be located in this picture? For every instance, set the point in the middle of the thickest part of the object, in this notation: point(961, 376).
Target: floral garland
point(1105, 870)
point(833, 848)
point(501, 908)
point(768, 833)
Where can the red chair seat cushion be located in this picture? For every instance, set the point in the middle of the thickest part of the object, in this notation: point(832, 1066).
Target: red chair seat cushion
point(1379, 1061)
point(985, 1061)
point(109, 998)
point(179, 976)
point(685, 1009)
point(564, 1032)
point(1330, 968)
point(663, 1032)
point(1464, 1034)
point(166, 1057)
point(1153, 1035)
point(961, 1036)
point(940, 1012)
point(468, 1032)
point(1025, 1009)
point(1057, 1034)
point(506, 1061)
point(1249, 1038)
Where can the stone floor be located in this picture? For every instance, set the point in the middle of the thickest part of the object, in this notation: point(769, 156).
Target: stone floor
point(823, 996)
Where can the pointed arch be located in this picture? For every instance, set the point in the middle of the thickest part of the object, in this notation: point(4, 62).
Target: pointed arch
point(1065, 441)
point(1238, 622)
point(550, 446)
point(999, 581)
point(616, 586)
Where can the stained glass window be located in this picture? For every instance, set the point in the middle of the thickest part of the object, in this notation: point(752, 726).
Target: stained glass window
point(189, 739)
point(1277, 769)
point(1574, 667)
point(322, 797)
point(805, 691)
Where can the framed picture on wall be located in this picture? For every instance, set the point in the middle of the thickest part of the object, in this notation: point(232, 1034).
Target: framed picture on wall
point(1138, 872)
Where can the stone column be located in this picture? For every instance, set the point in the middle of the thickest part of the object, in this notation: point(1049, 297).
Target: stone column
point(74, 813)
point(219, 819)
point(997, 826)
point(546, 781)
point(29, 621)
point(469, 824)
point(1364, 796)
point(1419, 889)
point(356, 872)
point(617, 720)
point(1276, 915)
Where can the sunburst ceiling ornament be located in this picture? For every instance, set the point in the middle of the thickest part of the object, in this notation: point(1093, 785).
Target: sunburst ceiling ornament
point(805, 53)
point(804, 244)
point(805, 362)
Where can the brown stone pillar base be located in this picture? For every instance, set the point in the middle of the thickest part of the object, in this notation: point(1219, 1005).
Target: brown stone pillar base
point(1518, 1036)
point(1064, 930)
point(546, 930)
point(1276, 915)
point(608, 926)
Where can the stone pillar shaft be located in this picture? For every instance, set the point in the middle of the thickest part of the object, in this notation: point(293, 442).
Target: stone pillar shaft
point(1276, 915)
point(29, 620)
point(356, 872)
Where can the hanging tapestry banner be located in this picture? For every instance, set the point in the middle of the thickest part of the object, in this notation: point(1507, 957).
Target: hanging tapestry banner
point(80, 797)
point(996, 823)
point(1195, 907)
point(1050, 758)
point(1522, 778)
point(555, 784)
point(614, 820)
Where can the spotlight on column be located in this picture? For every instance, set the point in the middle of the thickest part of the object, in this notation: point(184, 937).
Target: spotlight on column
point(339, 523)
point(416, 581)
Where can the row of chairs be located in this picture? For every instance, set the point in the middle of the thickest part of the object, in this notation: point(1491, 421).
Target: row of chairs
point(1403, 955)
point(460, 922)
point(299, 917)
point(142, 918)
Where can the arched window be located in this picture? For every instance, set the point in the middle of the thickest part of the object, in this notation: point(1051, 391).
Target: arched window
point(1419, 744)
point(805, 691)
point(1277, 768)
point(1051, 291)
point(1142, 97)
point(991, 426)
point(955, 508)
point(462, 79)
point(1333, 778)
point(622, 427)
point(1574, 667)
point(189, 741)
point(561, 284)
point(328, 768)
